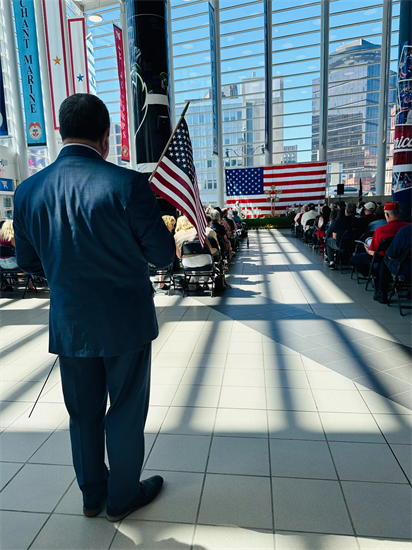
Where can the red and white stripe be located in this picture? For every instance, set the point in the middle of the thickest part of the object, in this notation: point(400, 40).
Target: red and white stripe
point(54, 26)
point(174, 185)
point(78, 55)
point(299, 183)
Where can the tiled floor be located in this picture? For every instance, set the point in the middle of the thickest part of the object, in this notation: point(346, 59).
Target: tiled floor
point(280, 419)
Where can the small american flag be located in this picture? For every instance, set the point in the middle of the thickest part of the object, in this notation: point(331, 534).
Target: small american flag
point(297, 183)
point(175, 180)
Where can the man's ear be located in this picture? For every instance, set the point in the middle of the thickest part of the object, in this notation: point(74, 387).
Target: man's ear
point(104, 143)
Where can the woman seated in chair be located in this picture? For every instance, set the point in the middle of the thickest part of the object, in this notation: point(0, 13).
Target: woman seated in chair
point(185, 232)
point(7, 240)
point(7, 244)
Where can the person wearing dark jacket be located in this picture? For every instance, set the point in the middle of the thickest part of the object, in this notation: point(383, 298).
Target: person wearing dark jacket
point(91, 228)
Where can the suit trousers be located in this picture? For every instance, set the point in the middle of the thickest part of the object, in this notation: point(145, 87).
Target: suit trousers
point(87, 382)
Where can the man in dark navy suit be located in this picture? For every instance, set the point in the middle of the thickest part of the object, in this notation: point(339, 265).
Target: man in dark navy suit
point(91, 227)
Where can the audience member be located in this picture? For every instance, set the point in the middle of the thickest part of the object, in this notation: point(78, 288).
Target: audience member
point(170, 222)
point(363, 260)
point(237, 219)
point(185, 232)
point(7, 239)
point(322, 223)
point(310, 214)
point(379, 218)
point(341, 225)
point(220, 230)
point(369, 214)
point(213, 239)
point(400, 244)
point(298, 217)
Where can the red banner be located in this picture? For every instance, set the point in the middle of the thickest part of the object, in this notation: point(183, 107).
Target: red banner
point(124, 127)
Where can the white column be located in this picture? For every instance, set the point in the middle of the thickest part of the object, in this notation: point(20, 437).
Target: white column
point(384, 97)
point(269, 76)
point(20, 138)
point(130, 106)
point(45, 80)
point(324, 82)
point(171, 76)
point(220, 176)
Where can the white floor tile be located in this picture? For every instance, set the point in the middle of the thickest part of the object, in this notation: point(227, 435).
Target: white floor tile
point(374, 543)
point(208, 360)
point(196, 396)
point(366, 462)
point(395, 428)
point(310, 505)
point(311, 541)
point(303, 459)
point(244, 361)
point(236, 500)
point(18, 529)
point(288, 362)
point(153, 535)
point(379, 509)
point(339, 401)
point(241, 422)
point(7, 471)
point(181, 453)
point(239, 455)
point(56, 450)
point(329, 381)
point(75, 533)
point(46, 416)
point(36, 488)
point(20, 445)
point(162, 395)
point(295, 425)
point(242, 398)
point(232, 538)
point(203, 376)
point(167, 375)
point(403, 454)
point(244, 377)
point(286, 379)
point(351, 427)
point(290, 399)
point(155, 418)
point(189, 421)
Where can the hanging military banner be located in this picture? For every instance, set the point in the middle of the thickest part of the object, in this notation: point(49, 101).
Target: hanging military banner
point(30, 72)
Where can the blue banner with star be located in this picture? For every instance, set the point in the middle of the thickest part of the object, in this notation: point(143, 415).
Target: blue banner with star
point(30, 72)
point(3, 118)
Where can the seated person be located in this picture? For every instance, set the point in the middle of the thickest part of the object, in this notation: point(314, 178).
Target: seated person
point(7, 239)
point(369, 214)
point(170, 222)
point(233, 228)
point(237, 219)
point(379, 218)
point(363, 260)
point(213, 239)
point(310, 214)
point(349, 221)
point(321, 226)
point(9, 262)
point(220, 230)
point(185, 232)
point(400, 244)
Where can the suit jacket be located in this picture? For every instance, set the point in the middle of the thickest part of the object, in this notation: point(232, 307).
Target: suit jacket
point(91, 227)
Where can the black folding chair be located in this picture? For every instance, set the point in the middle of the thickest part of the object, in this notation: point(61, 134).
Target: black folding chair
point(401, 281)
point(358, 248)
point(347, 246)
point(206, 272)
point(14, 277)
point(375, 264)
point(162, 275)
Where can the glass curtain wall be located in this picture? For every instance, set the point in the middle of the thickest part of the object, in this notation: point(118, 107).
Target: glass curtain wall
point(101, 43)
point(296, 75)
point(354, 70)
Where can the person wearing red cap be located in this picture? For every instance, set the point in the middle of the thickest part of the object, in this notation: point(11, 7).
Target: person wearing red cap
point(393, 225)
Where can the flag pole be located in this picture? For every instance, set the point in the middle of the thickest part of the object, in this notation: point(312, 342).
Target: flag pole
point(170, 139)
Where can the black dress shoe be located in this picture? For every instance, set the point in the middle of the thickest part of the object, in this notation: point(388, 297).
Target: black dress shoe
point(95, 511)
point(149, 491)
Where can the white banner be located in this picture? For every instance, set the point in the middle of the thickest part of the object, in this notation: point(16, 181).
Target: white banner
point(56, 52)
point(78, 55)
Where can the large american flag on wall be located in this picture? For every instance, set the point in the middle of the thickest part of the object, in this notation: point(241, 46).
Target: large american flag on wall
point(298, 183)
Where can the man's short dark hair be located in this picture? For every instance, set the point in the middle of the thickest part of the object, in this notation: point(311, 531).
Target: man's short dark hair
point(235, 212)
point(351, 208)
point(83, 116)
